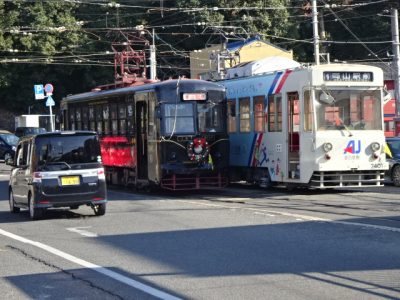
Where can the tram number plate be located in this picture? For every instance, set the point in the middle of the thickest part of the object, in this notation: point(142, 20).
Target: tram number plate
point(70, 180)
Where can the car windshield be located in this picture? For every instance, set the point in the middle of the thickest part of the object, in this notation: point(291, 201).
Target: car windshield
point(35, 130)
point(394, 146)
point(9, 138)
point(67, 152)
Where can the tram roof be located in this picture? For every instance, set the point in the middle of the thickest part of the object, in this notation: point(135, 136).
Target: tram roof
point(337, 67)
point(167, 86)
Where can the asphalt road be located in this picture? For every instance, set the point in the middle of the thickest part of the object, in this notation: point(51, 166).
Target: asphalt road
point(240, 243)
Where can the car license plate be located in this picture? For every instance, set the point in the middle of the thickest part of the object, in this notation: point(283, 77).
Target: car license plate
point(70, 180)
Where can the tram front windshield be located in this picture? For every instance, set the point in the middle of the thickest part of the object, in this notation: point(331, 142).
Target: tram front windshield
point(349, 109)
point(181, 118)
point(210, 117)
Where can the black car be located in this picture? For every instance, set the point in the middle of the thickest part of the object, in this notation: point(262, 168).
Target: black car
point(24, 131)
point(58, 169)
point(394, 160)
point(8, 143)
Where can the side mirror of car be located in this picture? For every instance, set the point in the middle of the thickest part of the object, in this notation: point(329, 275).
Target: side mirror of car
point(9, 162)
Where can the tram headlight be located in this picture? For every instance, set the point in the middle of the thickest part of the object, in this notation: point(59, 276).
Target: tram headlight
point(327, 147)
point(375, 146)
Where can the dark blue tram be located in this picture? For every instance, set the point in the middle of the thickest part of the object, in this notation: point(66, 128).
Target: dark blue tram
point(170, 134)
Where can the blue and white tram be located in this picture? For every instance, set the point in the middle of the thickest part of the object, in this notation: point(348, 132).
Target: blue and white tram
point(319, 126)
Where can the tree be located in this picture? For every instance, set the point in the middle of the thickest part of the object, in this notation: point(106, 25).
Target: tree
point(34, 38)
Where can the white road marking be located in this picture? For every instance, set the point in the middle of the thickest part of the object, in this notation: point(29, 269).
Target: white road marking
point(114, 275)
point(298, 216)
point(83, 232)
point(264, 214)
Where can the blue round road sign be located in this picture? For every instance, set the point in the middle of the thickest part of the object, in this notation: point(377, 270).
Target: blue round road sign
point(48, 88)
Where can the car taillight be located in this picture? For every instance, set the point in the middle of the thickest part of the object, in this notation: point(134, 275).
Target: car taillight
point(37, 177)
point(101, 175)
point(97, 198)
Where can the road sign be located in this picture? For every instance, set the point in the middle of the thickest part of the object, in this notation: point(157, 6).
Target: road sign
point(50, 101)
point(39, 91)
point(48, 88)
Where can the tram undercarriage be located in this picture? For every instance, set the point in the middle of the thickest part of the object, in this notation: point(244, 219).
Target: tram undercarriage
point(333, 179)
point(193, 181)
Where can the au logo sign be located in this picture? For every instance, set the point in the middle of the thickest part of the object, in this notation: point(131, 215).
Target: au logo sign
point(353, 147)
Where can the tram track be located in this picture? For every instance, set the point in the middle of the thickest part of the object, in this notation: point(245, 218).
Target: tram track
point(368, 207)
point(364, 207)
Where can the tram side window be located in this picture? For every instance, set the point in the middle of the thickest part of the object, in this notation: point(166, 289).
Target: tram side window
point(85, 121)
point(78, 119)
point(106, 119)
point(244, 112)
point(99, 119)
point(72, 118)
point(92, 124)
point(130, 120)
point(152, 102)
point(275, 113)
point(65, 119)
point(114, 119)
point(294, 110)
point(308, 112)
point(122, 118)
point(259, 114)
point(231, 116)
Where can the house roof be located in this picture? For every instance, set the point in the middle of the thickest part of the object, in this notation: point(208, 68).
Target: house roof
point(233, 46)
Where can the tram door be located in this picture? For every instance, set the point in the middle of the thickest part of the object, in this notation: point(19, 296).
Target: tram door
point(141, 136)
point(293, 139)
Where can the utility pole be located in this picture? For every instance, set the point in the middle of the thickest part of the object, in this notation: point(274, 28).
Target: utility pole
point(396, 59)
point(315, 31)
point(153, 69)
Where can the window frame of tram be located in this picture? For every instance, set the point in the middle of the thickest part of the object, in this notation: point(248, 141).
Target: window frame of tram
point(259, 113)
point(106, 119)
point(358, 109)
point(85, 120)
point(308, 123)
point(71, 118)
point(91, 117)
point(275, 113)
point(244, 114)
point(130, 117)
point(121, 111)
point(113, 118)
point(78, 118)
point(99, 118)
point(167, 117)
point(231, 110)
point(152, 97)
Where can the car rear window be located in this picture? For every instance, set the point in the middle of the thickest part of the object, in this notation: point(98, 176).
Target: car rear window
point(10, 138)
point(394, 146)
point(64, 152)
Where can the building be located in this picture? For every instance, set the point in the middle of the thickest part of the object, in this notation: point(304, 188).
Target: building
point(211, 62)
point(389, 110)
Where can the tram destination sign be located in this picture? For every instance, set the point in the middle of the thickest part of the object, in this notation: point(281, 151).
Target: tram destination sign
point(348, 76)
